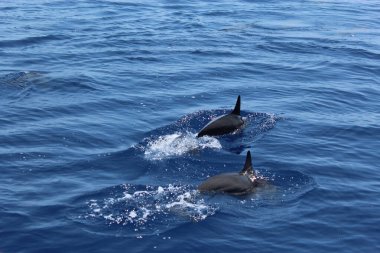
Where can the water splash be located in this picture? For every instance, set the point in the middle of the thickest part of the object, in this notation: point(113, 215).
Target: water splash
point(145, 208)
point(178, 144)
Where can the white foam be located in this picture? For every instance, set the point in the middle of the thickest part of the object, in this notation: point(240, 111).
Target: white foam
point(132, 214)
point(146, 213)
point(141, 207)
point(160, 190)
point(196, 210)
point(178, 144)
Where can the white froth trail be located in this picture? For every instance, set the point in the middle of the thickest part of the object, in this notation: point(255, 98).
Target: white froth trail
point(178, 144)
point(139, 208)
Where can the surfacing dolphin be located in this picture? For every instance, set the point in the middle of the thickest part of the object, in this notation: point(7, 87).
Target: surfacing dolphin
point(224, 124)
point(241, 183)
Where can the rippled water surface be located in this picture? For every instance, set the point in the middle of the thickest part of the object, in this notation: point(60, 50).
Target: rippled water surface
point(101, 100)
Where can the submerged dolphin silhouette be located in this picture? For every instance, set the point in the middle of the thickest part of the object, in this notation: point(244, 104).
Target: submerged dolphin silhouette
point(224, 124)
point(241, 183)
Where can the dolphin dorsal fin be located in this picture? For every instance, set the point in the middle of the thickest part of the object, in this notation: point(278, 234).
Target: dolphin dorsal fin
point(237, 107)
point(247, 169)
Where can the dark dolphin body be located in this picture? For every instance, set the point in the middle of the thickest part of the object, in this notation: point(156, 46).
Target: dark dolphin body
point(241, 183)
point(224, 124)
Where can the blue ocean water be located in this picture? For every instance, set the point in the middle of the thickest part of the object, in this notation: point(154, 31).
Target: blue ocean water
point(101, 100)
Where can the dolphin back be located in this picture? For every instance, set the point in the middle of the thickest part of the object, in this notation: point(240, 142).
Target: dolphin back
point(231, 183)
point(222, 125)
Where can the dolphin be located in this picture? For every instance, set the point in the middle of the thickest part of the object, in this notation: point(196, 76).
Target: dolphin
point(224, 124)
point(242, 183)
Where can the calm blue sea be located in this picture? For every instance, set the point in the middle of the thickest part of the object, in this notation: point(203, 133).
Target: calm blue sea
point(101, 99)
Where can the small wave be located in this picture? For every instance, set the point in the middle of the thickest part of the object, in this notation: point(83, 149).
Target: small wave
point(31, 40)
point(178, 144)
point(148, 207)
